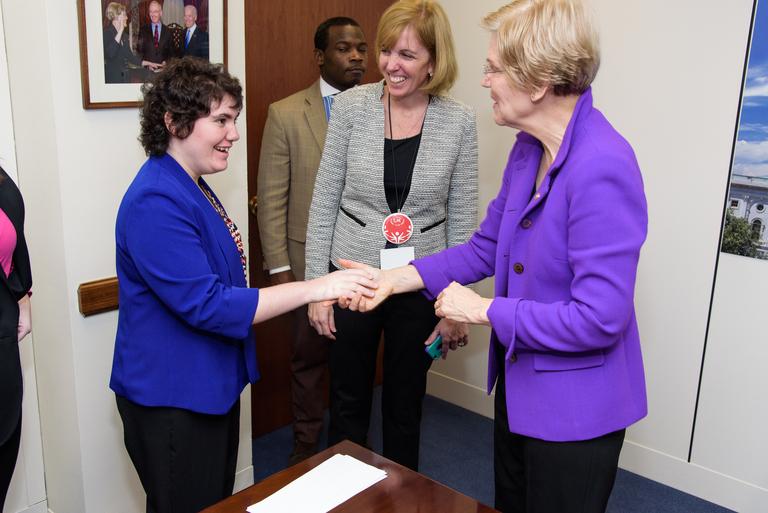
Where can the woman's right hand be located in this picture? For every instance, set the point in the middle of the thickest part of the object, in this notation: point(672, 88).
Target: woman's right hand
point(327, 289)
point(321, 318)
point(320, 293)
point(361, 303)
point(119, 27)
point(346, 283)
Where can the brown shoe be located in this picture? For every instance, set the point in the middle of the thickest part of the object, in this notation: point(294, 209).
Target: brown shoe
point(301, 451)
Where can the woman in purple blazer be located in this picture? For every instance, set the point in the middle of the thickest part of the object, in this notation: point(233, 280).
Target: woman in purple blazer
point(184, 350)
point(562, 239)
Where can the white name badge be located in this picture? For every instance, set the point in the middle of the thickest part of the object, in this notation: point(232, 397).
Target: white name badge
point(396, 257)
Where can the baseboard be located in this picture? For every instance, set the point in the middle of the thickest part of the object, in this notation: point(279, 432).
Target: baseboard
point(243, 479)
point(40, 507)
point(693, 479)
point(462, 394)
point(690, 478)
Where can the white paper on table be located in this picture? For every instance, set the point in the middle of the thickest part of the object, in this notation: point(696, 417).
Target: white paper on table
point(329, 484)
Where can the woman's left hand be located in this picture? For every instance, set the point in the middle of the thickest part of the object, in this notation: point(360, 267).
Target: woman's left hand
point(459, 303)
point(25, 318)
point(455, 334)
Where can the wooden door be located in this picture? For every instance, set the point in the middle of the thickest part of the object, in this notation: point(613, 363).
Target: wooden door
point(279, 42)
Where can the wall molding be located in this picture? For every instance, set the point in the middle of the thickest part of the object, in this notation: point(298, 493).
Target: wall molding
point(98, 296)
point(40, 507)
point(693, 479)
point(243, 479)
point(460, 393)
point(669, 470)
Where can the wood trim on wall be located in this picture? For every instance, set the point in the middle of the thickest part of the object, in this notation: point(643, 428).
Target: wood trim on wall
point(98, 296)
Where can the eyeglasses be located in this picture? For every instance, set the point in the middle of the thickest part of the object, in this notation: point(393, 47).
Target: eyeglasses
point(490, 70)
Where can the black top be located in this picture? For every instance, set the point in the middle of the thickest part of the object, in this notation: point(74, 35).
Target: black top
point(398, 174)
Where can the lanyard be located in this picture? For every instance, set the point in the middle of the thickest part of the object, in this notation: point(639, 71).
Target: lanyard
point(392, 148)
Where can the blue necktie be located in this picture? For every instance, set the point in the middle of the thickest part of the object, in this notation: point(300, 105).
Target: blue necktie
point(189, 36)
point(327, 103)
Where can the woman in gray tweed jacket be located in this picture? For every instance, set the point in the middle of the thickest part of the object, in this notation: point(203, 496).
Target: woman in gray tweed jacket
point(397, 181)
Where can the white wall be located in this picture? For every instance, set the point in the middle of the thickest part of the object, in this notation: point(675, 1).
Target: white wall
point(462, 377)
point(670, 82)
point(664, 120)
point(7, 144)
point(27, 489)
point(74, 166)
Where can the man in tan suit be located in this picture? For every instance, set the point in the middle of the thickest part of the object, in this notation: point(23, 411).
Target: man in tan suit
point(293, 140)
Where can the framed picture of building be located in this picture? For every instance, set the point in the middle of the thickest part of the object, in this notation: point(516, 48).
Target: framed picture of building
point(124, 42)
point(746, 209)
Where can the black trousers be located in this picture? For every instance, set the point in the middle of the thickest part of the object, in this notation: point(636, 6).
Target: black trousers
point(406, 320)
point(537, 476)
point(186, 461)
point(9, 451)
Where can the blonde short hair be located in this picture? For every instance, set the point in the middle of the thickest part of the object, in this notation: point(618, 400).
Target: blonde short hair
point(546, 43)
point(431, 25)
point(114, 10)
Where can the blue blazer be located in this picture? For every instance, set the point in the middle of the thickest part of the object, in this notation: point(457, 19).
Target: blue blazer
point(184, 335)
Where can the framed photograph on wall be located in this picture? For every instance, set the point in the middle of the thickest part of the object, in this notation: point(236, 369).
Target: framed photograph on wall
point(745, 227)
point(123, 42)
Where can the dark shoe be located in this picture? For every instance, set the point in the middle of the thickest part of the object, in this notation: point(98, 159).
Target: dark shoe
point(301, 451)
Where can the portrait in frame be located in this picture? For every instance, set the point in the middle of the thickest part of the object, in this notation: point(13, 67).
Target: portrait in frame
point(124, 42)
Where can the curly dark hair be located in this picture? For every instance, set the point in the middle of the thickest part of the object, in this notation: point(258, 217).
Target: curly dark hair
point(186, 89)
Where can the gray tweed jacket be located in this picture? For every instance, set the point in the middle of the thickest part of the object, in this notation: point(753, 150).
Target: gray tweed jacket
point(349, 203)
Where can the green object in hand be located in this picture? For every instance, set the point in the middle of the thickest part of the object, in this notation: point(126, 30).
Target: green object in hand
point(435, 349)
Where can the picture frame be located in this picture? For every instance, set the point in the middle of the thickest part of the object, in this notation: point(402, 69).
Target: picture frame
point(113, 64)
point(745, 223)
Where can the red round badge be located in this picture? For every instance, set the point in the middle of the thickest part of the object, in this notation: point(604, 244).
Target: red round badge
point(397, 228)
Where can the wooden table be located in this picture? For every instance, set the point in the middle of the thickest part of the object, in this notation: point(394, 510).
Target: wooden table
point(403, 490)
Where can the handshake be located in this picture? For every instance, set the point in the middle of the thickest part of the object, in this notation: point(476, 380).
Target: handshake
point(365, 287)
point(358, 287)
point(362, 288)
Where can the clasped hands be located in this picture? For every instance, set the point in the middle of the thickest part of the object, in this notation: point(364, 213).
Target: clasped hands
point(456, 302)
point(457, 305)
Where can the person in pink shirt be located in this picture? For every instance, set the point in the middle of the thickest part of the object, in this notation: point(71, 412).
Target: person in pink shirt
point(15, 285)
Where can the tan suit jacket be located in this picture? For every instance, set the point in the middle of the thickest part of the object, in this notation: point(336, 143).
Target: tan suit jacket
point(293, 140)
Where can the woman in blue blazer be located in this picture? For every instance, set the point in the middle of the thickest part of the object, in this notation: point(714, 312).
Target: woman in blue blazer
point(184, 350)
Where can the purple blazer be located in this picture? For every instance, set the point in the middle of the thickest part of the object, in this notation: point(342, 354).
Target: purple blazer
point(565, 261)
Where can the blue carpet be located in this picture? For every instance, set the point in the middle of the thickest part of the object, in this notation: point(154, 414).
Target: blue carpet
point(457, 450)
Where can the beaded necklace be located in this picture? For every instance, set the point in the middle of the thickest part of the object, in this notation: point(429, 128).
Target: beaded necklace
point(233, 231)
